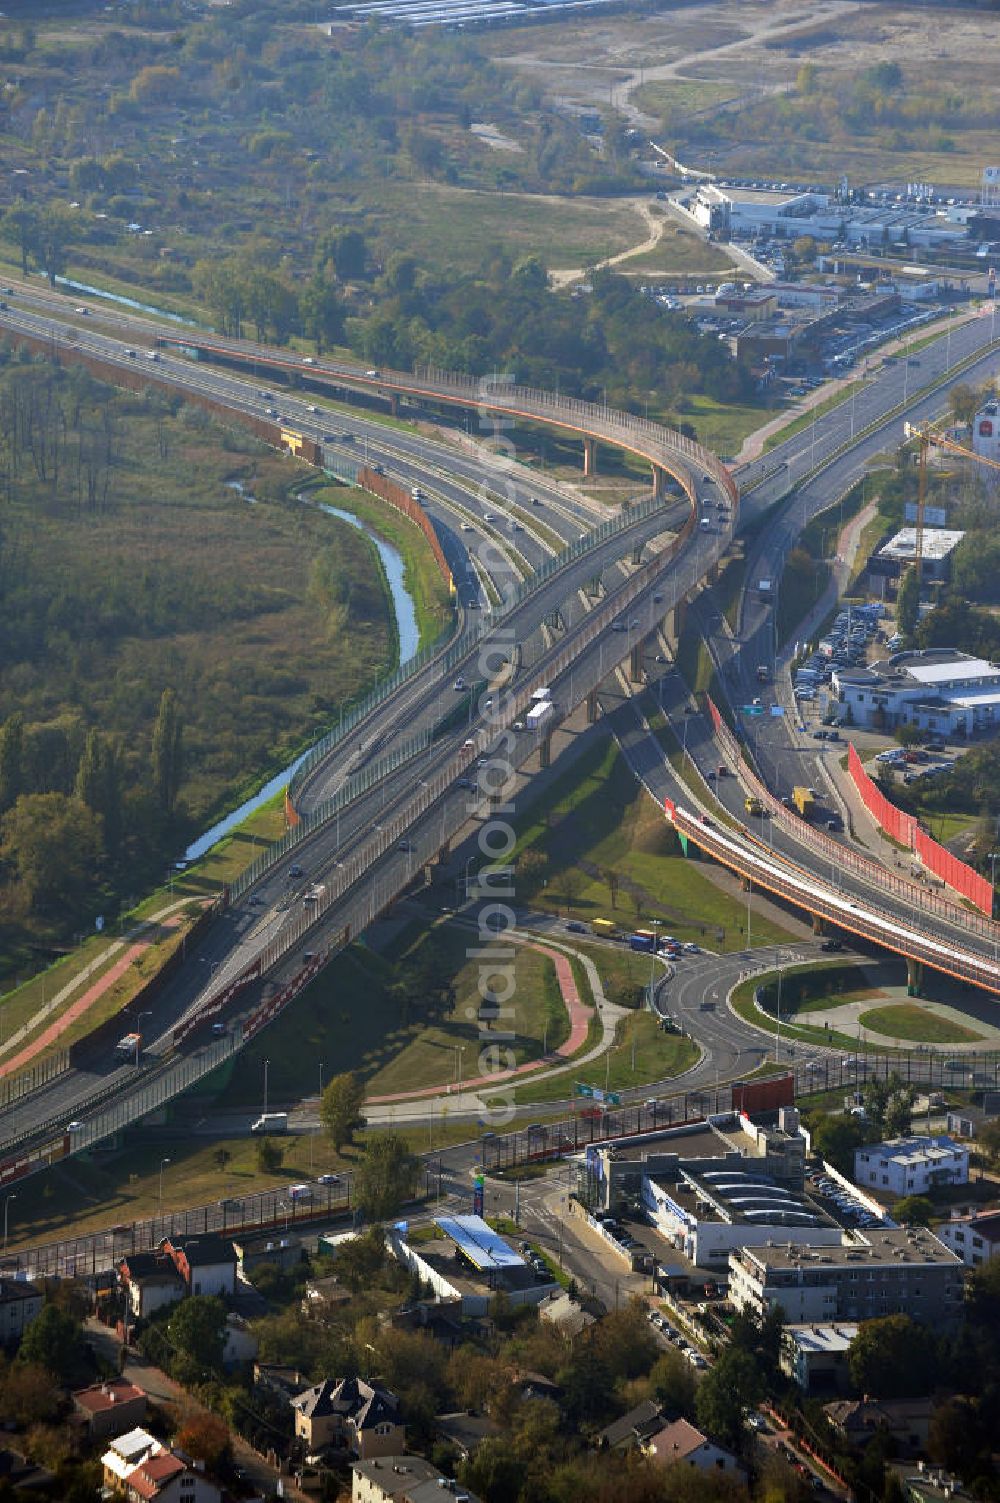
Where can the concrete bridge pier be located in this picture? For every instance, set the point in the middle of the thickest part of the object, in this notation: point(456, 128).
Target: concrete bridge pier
point(659, 482)
point(914, 976)
point(394, 403)
point(545, 752)
point(635, 668)
point(593, 708)
point(589, 457)
point(676, 619)
point(819, 924)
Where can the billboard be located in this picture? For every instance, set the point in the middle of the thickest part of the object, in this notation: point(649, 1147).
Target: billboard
point(766, 1095)
point(934, 516)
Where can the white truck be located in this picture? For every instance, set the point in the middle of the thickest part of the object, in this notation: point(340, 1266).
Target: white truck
point(269, 1122)
point(541, 711)
point(544, 694)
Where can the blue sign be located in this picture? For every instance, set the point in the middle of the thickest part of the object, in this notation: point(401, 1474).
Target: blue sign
point(777, 711)
point(751, 709)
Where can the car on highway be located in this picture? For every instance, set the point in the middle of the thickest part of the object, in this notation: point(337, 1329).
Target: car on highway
point(83, 312)
point(295, 870)
point(459, 685)
point(831, 945)
point(328, 1179)
point(466, 526)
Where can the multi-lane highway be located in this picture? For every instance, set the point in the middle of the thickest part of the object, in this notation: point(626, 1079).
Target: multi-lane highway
point(372, 849)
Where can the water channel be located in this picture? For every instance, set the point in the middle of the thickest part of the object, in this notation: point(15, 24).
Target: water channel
point(408, 634)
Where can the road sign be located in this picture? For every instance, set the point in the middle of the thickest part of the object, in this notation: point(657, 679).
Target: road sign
point(777, 711)
point(594, 1093)
point(751, 709)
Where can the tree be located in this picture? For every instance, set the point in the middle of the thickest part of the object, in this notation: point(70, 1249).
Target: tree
point(908, 602)
point(206, 1438)
point(11, 760)
point(732, 1385)
point(20, 226)
point(674, 1383)
point(613, 880)
point(836, 1138)
point(167, 752)
point(54, 1340)
point(913, 1210)
point(99, 786)
point(54, 844)
point(268, 1155)
point(963, 402)
point(223, 1158)
point(360, 1260)
point(55, 230)
point(988, 1141)
point(197, 1330)
point(340, 1108)
point(27, 1394)
point(321, 313)
point(386, 1176)
point(494, 1472)
point(532, 867)
point(892, 1358)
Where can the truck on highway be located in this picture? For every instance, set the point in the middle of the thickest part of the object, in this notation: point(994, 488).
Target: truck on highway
point(542, 695)
point(541, 711)
point(606, 928)
point(752, 804)
point(643, 939)
point(765, 589)
point(762, 673)
point(128, 1047)
point(803, 800)
point(269, 1122)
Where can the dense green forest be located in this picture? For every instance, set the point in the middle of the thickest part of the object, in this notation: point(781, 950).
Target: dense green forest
point(163, 638)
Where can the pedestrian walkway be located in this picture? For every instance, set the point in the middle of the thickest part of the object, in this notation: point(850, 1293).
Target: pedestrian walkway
point(166, 918)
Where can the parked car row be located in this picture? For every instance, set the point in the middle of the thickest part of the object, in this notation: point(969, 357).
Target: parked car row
point(852, 1211)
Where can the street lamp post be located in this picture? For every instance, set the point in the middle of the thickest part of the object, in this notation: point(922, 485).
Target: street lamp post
point(6, 1209)
point(163, 1164)
point(266, 1065)
point(138, 1034)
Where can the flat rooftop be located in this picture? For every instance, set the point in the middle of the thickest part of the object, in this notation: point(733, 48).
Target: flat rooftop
point(746, 1195)
point(938, 543)
point(822, 1340)
point(890, 1245)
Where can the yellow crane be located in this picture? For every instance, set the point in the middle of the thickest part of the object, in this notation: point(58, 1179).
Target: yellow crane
point(926, 436)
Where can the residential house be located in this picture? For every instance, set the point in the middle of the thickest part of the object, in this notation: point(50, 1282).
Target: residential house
point(111, 1408)
point(169, 1479)
point(137, 1466)
point(403, 1479)
point(23, 1475)
point(252, 1251)
point(815, 1356)
point(912, 1165)
point(463, 1431)
point(150, 1281)
point(975, 1238)
point(240, 1344)
point(350, 1415)
point(906, 1421)
point(682, 1442)
point(125, 1453)
point(565, 1313)
point(321, 1297)
point(206, 1264)
point(634, 1429)
point(20, 1302)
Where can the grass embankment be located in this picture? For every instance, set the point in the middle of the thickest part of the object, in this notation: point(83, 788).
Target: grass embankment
point(908, 1021)
point(598, 820)
point(91, 1192)
point(743, 1004)
point(354, 1017)
point(432, 601)
point(657, 1056)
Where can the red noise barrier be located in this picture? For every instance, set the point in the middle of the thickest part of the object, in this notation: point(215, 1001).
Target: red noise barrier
point(902, 827)
point(955, 873)
point(396, 496)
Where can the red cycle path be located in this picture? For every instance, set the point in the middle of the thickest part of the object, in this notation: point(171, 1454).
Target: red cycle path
point(79, 1007)
point(579, 1021)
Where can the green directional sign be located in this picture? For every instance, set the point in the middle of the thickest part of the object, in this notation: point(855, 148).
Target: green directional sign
point(584, 1090)
point(751, 709)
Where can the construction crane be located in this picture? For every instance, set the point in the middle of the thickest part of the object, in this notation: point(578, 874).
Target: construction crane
point(926, 436)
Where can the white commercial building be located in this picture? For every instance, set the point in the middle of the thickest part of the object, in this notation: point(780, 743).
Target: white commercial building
point(788, 213)
point(941, 691)
point(912, 1166)
point(706, 1214)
